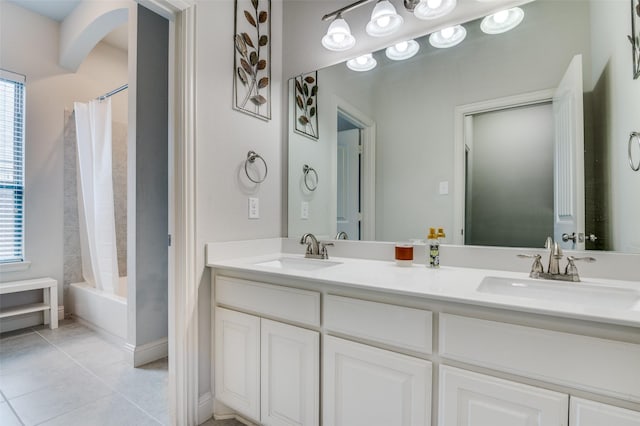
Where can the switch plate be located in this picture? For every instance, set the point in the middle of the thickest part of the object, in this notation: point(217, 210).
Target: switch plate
point(444, 187)
point(304, 210)
point(254, 208)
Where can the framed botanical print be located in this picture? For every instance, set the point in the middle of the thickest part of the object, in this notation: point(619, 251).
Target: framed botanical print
point(305, 104)
point(252, 58)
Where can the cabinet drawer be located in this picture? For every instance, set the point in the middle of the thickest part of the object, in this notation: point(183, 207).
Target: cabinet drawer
point(472, 399)
point(392, 325)
point(290, 304)
point(597, 365)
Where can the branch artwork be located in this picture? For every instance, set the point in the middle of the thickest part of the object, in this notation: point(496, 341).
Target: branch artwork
point(252, 67)
point(306, 104)
point(634, 38)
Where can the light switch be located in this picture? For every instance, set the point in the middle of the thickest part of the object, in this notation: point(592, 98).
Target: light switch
point(444, 187)
point(304, 210)
point(254, 208)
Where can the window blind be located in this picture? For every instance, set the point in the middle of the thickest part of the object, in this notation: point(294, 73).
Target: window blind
point(11, 167)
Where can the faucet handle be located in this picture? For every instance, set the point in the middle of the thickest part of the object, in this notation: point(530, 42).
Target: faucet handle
point(536, 267)
point(323, 249)
point(571, 270)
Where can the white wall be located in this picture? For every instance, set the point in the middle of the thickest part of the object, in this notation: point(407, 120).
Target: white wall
point(612, 76)
point(223, 138)
point(29, 46)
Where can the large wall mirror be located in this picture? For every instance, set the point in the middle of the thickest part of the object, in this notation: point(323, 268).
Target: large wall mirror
point(501, 140)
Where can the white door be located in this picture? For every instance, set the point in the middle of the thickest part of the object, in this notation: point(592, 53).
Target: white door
point(237, 361)
point(472, 399)
point(367, 386)
point(569, 157)
point(290, 370)
point(348, 203)
point(590, 413)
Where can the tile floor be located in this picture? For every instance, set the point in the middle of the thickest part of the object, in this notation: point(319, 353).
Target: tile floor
point(73, 376)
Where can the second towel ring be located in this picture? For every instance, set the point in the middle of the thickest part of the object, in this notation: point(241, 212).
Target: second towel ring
point(306, 169)
point(251, 158)
point(632, 136)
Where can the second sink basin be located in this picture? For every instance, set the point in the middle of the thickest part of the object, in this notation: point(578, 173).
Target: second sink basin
point(578, 293)
point(298, 264)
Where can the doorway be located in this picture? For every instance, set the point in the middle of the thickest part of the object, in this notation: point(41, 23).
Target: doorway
point(509, 176)
point(349, 175)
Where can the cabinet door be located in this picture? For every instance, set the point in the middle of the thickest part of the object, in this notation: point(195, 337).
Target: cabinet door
point(237, 361)
point(472, 399)
point(590, 413)
point(290, 370)
point(363, 385)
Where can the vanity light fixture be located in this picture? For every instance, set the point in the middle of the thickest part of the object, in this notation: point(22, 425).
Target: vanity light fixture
point(338, 37)
point(433, 9)
point(502, 21)
point(448, 37)
point(384, 20)
point(362, 63)
point(403, 50)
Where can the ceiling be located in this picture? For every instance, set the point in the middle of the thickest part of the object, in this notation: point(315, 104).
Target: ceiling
point(58, 10)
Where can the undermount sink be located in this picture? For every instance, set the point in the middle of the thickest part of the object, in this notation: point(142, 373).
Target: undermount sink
point(569, 292)
point(297, 264)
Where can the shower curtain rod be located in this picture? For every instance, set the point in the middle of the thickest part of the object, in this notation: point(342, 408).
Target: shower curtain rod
point(113, 92)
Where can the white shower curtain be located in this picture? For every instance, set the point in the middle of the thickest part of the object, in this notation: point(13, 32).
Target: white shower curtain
point(95, 195)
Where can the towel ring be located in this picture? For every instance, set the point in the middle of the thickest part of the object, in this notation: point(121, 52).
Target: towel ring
point(306, 169)
point(251, 158)
point(632, 136)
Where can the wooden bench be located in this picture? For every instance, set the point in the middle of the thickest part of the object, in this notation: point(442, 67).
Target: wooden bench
point(49, 306)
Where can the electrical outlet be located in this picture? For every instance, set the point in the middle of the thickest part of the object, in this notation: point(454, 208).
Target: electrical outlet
point(254, 208)
point(444, 188)
point(304, 210)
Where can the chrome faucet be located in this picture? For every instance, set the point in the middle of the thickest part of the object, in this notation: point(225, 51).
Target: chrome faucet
point(553, 270)
point(342, 236)
point(315, 249)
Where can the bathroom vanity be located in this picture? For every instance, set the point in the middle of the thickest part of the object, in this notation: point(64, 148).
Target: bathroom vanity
point(349, 341)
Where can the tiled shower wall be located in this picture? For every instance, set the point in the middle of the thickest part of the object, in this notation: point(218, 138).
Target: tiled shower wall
point(72, 259)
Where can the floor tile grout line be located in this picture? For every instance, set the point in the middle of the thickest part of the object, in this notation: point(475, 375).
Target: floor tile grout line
point(11, 407)
point(99, 379)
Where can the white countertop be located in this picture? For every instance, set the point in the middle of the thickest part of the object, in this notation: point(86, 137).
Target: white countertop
point(452, 284)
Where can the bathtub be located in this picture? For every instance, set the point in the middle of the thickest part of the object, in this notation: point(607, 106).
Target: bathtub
point(102, 310)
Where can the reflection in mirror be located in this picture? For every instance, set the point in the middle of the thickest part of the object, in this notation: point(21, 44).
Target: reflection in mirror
point(420, 120)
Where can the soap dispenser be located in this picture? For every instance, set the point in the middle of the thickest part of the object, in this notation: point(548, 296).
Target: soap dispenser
point(433, 249)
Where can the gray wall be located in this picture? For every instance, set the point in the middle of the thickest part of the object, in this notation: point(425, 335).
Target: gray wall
point(149, 277)
point(511, 163)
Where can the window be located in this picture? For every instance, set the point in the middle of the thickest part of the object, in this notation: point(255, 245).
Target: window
point(11, 167)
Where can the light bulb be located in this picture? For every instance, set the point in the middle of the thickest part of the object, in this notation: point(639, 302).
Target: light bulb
point(362, 63)
point(501, 16)
point(361, 60)
point(447, 32)
point(402, 46)
point(402, 50)
point(434, 4)
point(383, 21)
point(433, 9)
point(338, 37)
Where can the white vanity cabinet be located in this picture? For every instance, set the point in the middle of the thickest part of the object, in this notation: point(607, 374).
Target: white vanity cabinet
point(364, 384)
point(267, 370)
point(472, 399)
point(368, 386)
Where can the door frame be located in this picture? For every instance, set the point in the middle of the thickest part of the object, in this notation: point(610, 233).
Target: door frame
point(368, 174)
point(462, 111)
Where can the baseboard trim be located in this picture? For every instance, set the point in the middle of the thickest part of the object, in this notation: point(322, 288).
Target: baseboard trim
point(205, 407)
point(222, 412)
point(149, 352)
point(32, 319)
